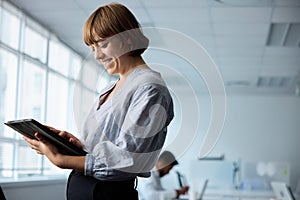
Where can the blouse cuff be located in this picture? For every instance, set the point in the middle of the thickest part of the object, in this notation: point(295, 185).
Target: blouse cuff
point(88, 165)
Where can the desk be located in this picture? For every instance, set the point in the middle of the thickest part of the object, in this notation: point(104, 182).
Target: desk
point(234, 195)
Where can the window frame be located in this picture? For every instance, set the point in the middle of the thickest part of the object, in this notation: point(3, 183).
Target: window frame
point(22, 57)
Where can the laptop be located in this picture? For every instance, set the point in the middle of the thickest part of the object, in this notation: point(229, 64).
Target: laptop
point(282, 191)
point(200, 195)
point(203, 190)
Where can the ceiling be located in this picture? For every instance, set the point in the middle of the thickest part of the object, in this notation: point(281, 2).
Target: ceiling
point(254, 43)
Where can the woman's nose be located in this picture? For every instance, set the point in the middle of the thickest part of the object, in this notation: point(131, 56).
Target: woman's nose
point(98, 53)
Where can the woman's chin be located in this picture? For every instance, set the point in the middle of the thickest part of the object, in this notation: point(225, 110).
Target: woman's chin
point(110, 71)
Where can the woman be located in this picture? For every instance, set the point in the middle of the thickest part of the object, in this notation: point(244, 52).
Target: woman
point(126, 128)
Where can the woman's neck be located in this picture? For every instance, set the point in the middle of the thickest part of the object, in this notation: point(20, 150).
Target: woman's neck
point(131, 64)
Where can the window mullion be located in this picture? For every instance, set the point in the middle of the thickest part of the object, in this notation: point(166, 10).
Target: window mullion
point(18, 94)
point(46, 98)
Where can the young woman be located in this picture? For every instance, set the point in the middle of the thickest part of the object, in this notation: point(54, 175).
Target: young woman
point(127, 125)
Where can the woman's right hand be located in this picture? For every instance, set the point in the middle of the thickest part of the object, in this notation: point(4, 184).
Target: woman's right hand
point(68, 136)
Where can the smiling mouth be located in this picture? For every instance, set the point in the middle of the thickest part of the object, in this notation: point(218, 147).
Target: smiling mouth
point(106, 61)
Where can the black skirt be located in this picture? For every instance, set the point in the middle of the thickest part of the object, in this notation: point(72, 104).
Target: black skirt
point(81, 187)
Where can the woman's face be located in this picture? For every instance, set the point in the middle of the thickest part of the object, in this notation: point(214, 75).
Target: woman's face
point(109, 53)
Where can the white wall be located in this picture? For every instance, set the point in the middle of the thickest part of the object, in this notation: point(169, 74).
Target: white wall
point(35, 190)
point(257, 128)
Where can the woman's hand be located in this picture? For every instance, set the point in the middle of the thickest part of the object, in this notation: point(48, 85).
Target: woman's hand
point(68, 136)
point(42, 146)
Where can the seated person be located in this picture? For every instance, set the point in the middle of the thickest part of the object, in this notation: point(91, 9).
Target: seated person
point(151, 188)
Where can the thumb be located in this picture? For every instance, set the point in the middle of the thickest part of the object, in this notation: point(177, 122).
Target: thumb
point(39, 137)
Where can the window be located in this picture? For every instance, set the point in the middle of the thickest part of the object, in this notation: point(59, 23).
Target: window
point(57, 102)
point(8, 86)
point(11, 24)
point(32, 92)
point(75, 67)
point(6, 161)
point(36, 81)
point(29, 163)
point(35, 44)
point(8, 80)
point(59, 57)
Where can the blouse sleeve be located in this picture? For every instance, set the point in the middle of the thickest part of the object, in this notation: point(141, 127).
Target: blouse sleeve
point(145, 126)
point(141, 134)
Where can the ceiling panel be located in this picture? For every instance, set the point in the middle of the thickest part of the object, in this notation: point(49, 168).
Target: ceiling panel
point(91, 5)
point(212, 53)
point(174, 3)
point(240, 61)
point(241, 14)
point(284, 62)
point(279, 70)
point(34, 5)
point(287, 2)
point(282, 52)
point(247, 76)
point(246, 41)
point(182, 15)
point(72, 18)
point(202, 29)
point(240, 3)
point(283, 14)
point(241, 28)
point(239, 51)
point(206, 41)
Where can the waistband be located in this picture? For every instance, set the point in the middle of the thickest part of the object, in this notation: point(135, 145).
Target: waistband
point(115, 183)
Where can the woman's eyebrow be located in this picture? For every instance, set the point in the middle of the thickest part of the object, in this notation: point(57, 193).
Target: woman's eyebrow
point(100, 41)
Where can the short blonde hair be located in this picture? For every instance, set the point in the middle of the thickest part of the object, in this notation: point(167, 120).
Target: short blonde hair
point(113, 19)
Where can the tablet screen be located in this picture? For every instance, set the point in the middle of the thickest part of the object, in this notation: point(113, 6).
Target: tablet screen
point(29, 127)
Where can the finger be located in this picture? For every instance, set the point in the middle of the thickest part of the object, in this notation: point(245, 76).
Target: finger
point(76, 142)
point(31, 141)
point(39, 152)
point(53, 129)
point(40, 137)
point(36, 148)
point(25, 137)
point(64, 134)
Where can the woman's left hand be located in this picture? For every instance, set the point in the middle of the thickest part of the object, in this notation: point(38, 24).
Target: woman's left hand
point(42, 146)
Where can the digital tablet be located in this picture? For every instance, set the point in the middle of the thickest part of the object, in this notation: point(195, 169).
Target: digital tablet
point(29, 127)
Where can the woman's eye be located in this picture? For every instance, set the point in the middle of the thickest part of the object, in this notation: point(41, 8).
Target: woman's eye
point(104, 45)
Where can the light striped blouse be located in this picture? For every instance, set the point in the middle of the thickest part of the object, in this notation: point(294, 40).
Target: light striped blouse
point(124, 135)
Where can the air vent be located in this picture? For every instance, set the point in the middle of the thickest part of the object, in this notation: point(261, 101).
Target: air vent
point(274, 82)
point(243, 3)
point(238, 83)
point(284, 34)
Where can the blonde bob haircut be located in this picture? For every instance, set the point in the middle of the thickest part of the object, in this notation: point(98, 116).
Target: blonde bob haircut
point(112, 19)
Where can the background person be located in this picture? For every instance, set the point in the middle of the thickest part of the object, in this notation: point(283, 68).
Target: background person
point(151, 188)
